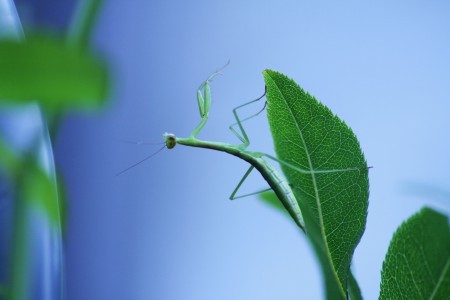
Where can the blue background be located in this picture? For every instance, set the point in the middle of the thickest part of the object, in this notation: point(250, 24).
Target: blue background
point(165, 229)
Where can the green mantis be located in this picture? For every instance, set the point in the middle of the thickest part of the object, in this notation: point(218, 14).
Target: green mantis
point(257, 160)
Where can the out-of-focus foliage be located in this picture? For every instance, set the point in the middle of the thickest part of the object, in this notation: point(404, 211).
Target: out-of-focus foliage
point(9, 162)
point(40, 190)
point(60, 74)
point(417, 264)
point(354, 292)
point(47, 69)
point(33, 184)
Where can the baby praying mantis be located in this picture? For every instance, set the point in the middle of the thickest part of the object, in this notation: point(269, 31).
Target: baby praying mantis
point(276, 181)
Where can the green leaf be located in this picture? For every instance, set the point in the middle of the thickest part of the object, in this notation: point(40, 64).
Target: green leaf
point(354, 291)
point(45, 68)
point(417, 264)
point(308, 135)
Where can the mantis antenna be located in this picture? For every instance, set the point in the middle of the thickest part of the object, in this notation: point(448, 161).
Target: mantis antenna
point(141, 161)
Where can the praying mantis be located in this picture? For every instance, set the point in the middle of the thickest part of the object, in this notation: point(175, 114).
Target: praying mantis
point(257, 160)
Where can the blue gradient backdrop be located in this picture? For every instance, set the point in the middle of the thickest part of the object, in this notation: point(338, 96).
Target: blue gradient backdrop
point(165, 230)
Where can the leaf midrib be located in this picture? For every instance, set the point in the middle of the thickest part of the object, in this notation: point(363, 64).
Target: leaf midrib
point(316, 191)
point(441, 278)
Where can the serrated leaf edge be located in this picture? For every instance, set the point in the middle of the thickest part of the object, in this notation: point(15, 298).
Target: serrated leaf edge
point(319, 206)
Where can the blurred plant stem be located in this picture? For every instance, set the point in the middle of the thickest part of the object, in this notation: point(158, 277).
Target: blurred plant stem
point(78, 36)
point(20, 262)
point(20, 280)
point(83, 22)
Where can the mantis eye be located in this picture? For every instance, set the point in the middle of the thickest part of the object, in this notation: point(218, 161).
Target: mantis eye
point(171, 140)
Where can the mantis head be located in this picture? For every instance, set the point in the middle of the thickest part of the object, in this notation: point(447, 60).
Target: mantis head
point(170, 139)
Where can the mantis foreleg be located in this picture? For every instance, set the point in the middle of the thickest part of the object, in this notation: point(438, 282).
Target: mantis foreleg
point(204, 100)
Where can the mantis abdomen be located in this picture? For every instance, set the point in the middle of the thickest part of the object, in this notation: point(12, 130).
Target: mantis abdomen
point(282, 189)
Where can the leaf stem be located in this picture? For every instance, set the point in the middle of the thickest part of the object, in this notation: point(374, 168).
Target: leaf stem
point(83, 22)
point(20, 279)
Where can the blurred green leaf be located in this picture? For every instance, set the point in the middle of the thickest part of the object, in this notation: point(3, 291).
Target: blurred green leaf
point(33, 184)
point(417, 263)
point(39, 189)
point(271, 199)
point(9, 162)
point(308, 135)
point(46, 69)
point(354, 291)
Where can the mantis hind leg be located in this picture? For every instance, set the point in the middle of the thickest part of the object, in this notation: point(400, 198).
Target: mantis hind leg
point(304, 171)
point(242, 136)
point(233, 194)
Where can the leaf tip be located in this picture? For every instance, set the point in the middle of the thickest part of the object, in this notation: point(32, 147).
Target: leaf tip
point(268, 72)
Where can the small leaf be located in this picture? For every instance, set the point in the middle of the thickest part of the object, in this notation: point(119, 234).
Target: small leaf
point(9, 162)
point(308, 135)
point(417, 264)
point(354, 291)
point(38, 189)
point(46, 69)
